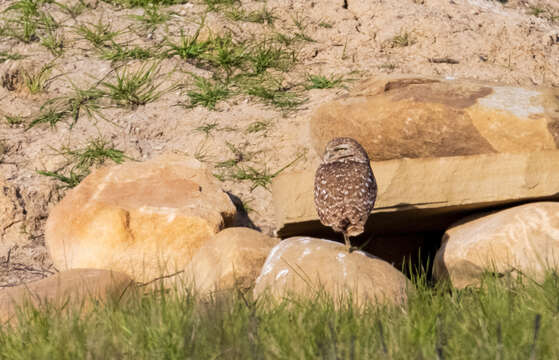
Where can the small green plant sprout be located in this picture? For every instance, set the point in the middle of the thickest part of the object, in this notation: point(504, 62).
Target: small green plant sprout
point(152, 17)
point(54, 42)
point(118, 52)
point(226, 54)
point(70, 106)
point(188, 47)
point(207, 92)
point(97, 34)
point(266, 55)
point(536, 11)
point(26, 19)
point(258, 178)
point(402, 40)
point(323, 82)
point(48, 115)
point(258, 126)
point(73, 10)
point(81, 161)
point(134, 88)
point(273, 93)
point(144, 3)
point(263, 16)
point(301, 26)
point(5, 56)
point(39, 81)
point(207, 128)
point(214, 5)
point(387, 66)
point(325, 25)
point(14, 119)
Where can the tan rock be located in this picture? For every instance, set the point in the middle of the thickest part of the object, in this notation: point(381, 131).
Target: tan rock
point(145, 219)
point(231, 259)
point(523, 238)
point(302, 266)
point(76, 286)
point(413, 117)
point(426, 194)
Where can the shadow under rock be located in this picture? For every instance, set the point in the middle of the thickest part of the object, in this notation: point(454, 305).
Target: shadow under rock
point(242, 219)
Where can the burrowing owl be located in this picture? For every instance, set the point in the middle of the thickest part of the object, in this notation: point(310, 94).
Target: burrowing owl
point(345, 188)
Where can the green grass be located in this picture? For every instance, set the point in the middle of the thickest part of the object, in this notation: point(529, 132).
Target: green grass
point(323, 82)
point(6, 55)
point(268, 55)
point(215, 5)
point(73, 10)
point(134, 88)
point(272, 92)
point(97, 34)
point(402, 40)
point(207, 93)
point(144, 3)
point(81, 101)
point(262, 16)
point(54, 43)
point(81, 161)
point(188, 47)
point(502, 320)
point(232, 170)
point(118, 52)
point(26, 20)
point(38, 82)
point(152, 17)
point(258, 126)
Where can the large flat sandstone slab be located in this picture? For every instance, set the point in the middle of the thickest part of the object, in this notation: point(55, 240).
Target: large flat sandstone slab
point(426, 194)
point(412, 116)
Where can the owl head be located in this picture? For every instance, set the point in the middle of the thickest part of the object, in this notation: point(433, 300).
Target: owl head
point(344, 149)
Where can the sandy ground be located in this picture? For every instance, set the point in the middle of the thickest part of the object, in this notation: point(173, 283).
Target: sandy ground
point(512, 42)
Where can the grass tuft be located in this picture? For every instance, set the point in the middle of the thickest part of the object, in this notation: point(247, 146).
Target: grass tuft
point(402, 40)
point(97, 34)
point(5, 56)
point(263, 16)
point(134, 88)
point(207, 93)
point(38, 82)
point(81, 161)
point(323, 82)
point(188, 47)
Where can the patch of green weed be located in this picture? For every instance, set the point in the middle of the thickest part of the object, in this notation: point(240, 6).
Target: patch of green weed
point(323, 82)
point(81, 161)
point(188, 47)
point(258, 126)
point(263, 16)
point(134, 88)
point(207, 93)
point(401, 40)
point(5, 56)
point(97, 34)
point(38, 82)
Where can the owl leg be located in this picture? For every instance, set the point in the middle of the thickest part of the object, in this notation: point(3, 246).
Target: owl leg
point(347, 242)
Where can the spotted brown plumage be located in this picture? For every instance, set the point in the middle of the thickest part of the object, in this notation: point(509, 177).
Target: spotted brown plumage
point(345, 188)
